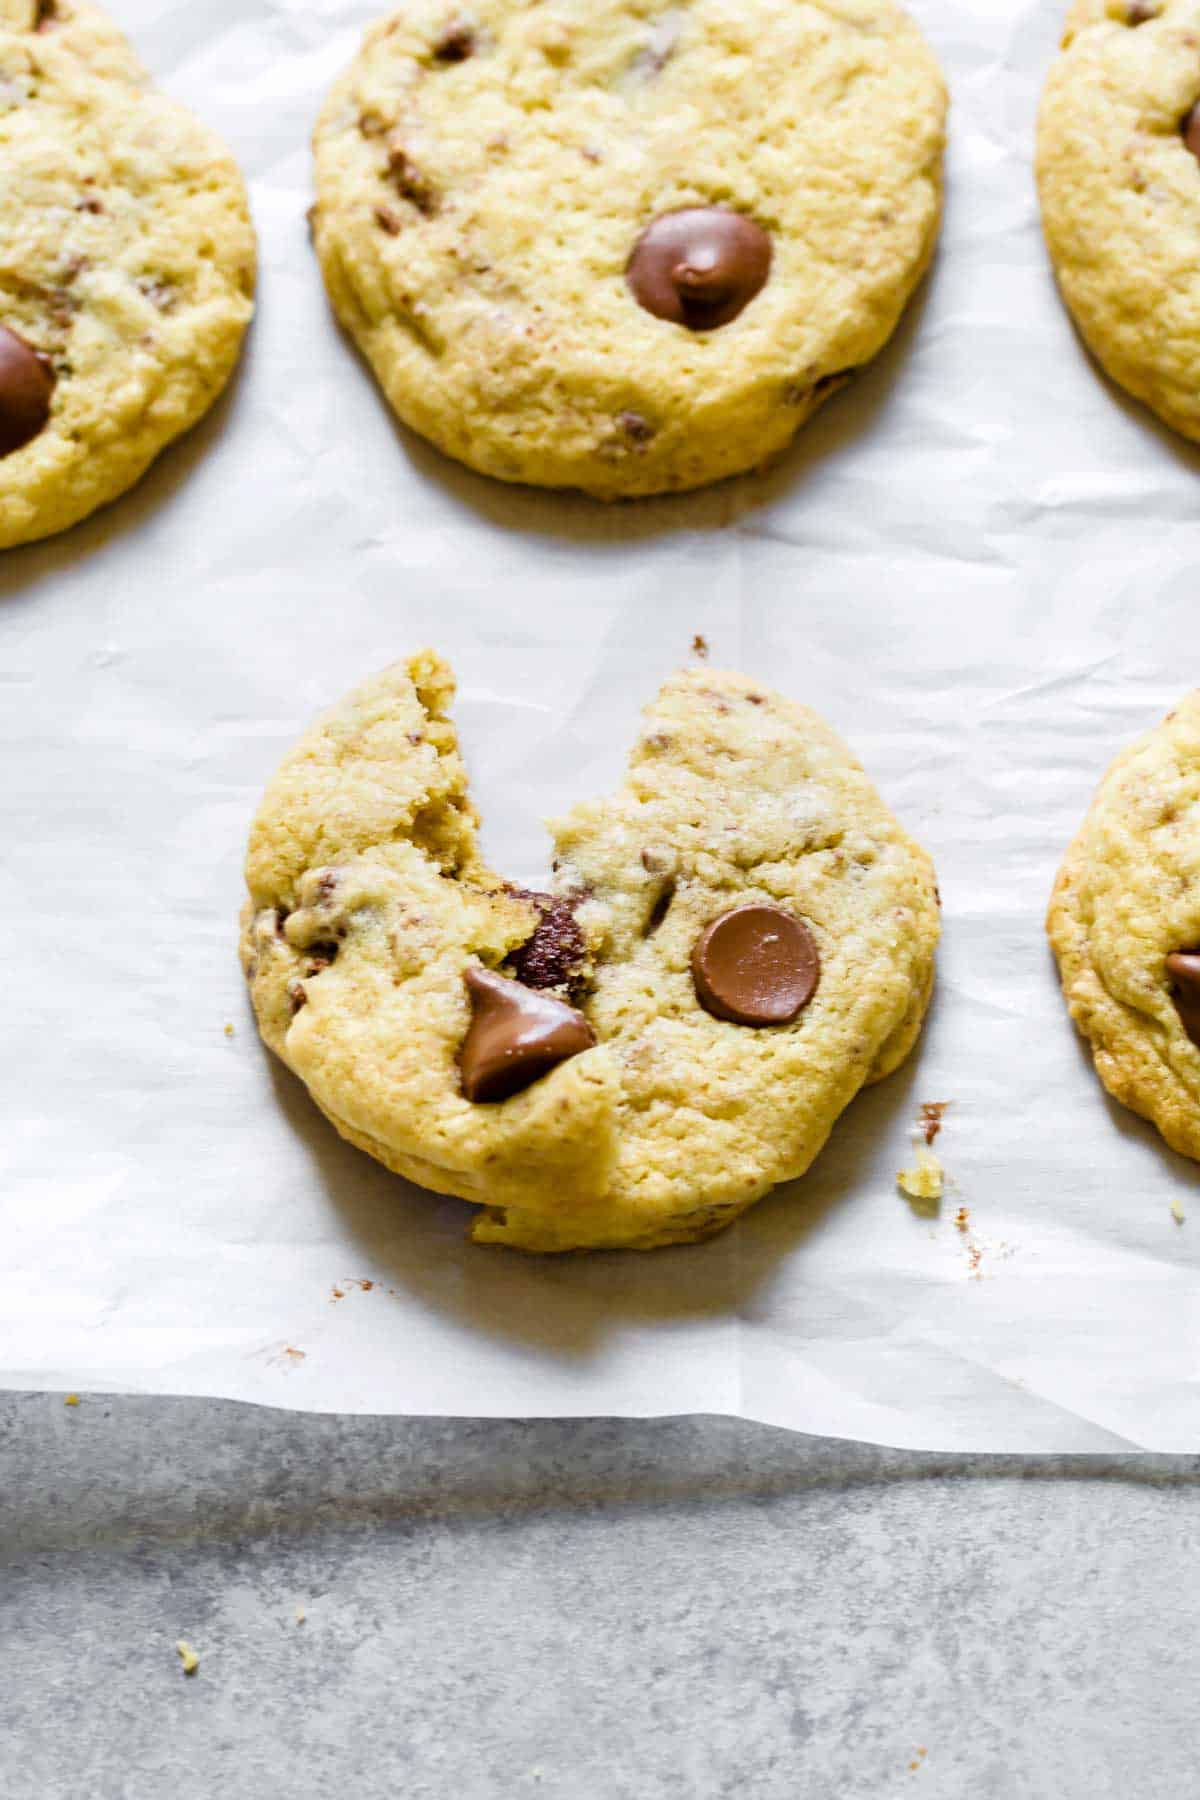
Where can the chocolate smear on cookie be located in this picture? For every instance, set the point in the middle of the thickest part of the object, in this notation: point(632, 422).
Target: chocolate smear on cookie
point(555, 955)
point(699, 267)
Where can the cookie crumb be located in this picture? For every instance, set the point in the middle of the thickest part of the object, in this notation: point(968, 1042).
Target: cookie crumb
point(1177, 1212)
point(700, 646)
point(932, 1113)
point(73, 1399)
point(925, 1181)
point(293, 1355)
point(187, 1656)
point(962, 1219)
point(229, 1028)
point(301, 1615)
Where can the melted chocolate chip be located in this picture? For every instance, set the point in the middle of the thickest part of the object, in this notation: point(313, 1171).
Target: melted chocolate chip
point(456, 43)
point(756, 965)
point(411, 181)
point(515, 1037)
point(635, 428)
point(26, 390)
point(699, 267)
point(1190, 129)
point(1183, 967)
point(554, 956)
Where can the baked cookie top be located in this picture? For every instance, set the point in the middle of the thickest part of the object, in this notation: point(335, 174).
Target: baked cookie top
point(126, 279)
point(486, 176)
point(1125, 919)
point(83, 29)
point(736, 941)
point(1118, 166)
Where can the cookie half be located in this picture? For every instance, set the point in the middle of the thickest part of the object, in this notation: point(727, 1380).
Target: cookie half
point(622, 246)
point(1124, 922)
point(128, 262)
point(1118, 167)
point(735, 942)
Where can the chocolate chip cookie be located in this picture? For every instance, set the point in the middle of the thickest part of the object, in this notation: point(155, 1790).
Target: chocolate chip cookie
point(1124, 921)
point(623, 246)
point(1118, 166)
point(732, 945)
point(126, 269)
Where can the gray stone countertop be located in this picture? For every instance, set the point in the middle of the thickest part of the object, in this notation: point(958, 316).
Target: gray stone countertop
point(580, 1610)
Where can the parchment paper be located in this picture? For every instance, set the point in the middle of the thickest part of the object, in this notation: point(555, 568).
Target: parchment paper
point(978, 562)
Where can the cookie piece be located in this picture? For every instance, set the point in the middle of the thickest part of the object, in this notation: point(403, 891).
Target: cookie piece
point(83, 29)
point(383, 956)
point(1118, 167)
point(1124, 921)
point(128, 272)
point(623, 246)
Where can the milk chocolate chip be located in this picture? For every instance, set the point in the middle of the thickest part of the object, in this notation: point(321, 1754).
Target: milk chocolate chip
point(1183, 967)
point(515, 1036)
point(26, 388)
point(756, 965)
point(699, 267)
point(1190, 127)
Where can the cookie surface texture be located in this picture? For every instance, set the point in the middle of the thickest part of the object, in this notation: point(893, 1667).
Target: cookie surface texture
point(129, 263)
point(1120, 194)
point(622, 246)
point(1126, 903)
point(81, 28)
point(370, 906)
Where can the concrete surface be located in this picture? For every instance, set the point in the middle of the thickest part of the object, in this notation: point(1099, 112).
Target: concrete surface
point(688, 1607)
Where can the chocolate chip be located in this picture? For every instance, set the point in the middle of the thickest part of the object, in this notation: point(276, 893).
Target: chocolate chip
point(1183, 967)
point(45, 15)
point(296, 996)
point(1140, 11)
point(699, 267)
point(635, 428)
point(756, 965)
point(456, 43)
point(659, 910)
point(700, 646)
point(322, 955)
point(26, 390)
point(554, 956)
point(411, 182)
point(1190, 129)
point(90, 203)
point(515, 1036)
point(798, 393)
